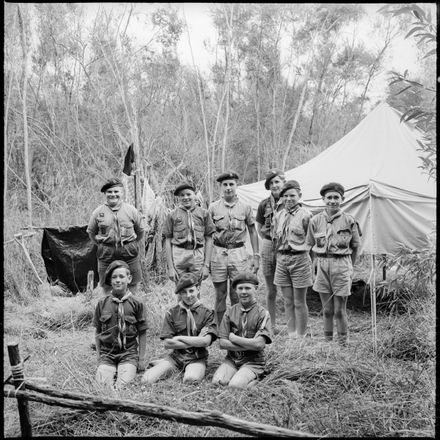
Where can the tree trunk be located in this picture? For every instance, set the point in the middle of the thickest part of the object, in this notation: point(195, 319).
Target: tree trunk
point(25, 48)
point(294, 124)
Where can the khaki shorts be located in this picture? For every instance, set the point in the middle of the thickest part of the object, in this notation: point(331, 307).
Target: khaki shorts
point(258, 368)
point(334, 276)
point(188, 260)
point(180, 363)
point(226, 263)
point(268, 258)
point(293, 270)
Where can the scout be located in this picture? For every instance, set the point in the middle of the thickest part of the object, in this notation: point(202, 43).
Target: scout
point(266, 209)
point(120, 337)
point(229, 256)
point(188, 328)
point(293, 272)
point(244, 332)
point(334, 237)
point(188, 233)
point(117, 228)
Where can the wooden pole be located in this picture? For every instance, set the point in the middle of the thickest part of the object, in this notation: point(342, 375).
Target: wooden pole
point(200, 418)
point(18, 380)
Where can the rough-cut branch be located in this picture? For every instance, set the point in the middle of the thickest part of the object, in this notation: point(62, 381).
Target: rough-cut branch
point(199, 418)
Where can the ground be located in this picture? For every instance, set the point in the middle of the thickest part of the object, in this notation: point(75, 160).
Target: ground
point(363, 389)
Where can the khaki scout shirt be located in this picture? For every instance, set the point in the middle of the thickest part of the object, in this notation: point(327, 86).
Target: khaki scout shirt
point(105, 320)
point(115, 226)
point(230, 220)
point(265, 213)
point(174, 324)
point(290, 229)
point(177, 225)
point(337, 234)
point(257, 325)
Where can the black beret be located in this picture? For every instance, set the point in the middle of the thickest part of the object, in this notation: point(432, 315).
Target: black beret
point(271, 174)
point(183, 186)
point(111, 183)
point(227, 175)
point(111, 267)
point(332, 186)
point(186, 280)
point(245, 277)
point(290, 184)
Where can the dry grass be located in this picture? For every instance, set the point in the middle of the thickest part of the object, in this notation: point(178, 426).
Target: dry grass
point(315, 386)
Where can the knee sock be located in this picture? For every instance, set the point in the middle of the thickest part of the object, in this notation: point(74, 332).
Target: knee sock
point(328, 336)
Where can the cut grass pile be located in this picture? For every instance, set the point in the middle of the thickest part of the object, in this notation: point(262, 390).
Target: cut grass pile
point(316, 386)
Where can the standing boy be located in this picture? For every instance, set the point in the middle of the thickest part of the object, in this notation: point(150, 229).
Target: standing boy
point(120, 322)
point(188, 328)
point(188, 233)
point(334, 238)
point(229, 256)
point(244, 332)
point(266, 209)
point(294, 266)
point(117, 228)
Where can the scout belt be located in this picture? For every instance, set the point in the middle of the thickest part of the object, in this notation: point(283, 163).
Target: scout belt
point(229, 245)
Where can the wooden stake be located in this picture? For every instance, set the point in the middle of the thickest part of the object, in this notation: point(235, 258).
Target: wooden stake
point(18, 380)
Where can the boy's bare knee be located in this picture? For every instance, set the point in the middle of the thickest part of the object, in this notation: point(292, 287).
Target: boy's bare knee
point(191, 379)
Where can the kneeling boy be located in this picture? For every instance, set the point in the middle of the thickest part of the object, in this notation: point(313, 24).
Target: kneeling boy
point(244, 332)
point(120, 322)
point(188, 328)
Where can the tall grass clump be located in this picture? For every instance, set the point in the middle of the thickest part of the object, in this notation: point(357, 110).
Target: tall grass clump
point(411, 292)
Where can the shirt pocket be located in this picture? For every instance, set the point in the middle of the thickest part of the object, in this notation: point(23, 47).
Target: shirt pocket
point(126, 229)
point(268, 214)
point(102, 226)
point(320, 239)
point(238, 222)
point(180, 328)
point(130, 326)
point(297, 234)
point(200, 232)
point(343, 238)
point(105, 323)
point(179, 231)
point(220, 222)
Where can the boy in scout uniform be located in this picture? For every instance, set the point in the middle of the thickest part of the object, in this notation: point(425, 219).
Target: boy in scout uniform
point(266, 209)
point(293, 272)
point(117, 228)
point(120, 322)
point(188, 328)
point(229, 256)
point(188, 233)
point(244, 332)
point(334, 237)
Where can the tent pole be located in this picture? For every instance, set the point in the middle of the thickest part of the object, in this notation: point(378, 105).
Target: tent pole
point(372, 280)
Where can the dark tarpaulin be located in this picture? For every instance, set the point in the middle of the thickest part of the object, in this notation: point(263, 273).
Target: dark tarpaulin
point(68, 255)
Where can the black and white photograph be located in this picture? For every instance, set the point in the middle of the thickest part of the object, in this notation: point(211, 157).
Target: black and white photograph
point(219, 219)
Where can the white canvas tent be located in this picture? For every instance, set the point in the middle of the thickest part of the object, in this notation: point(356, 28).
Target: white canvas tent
point(377, 163)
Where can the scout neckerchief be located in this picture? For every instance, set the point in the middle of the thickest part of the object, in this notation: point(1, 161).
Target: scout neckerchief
point(121, 319)
point(114, 212)
point(230, 205)
point(191, 327)
point(285, 231)
point(191, 238)
point(244, 318)
point(329, 229)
